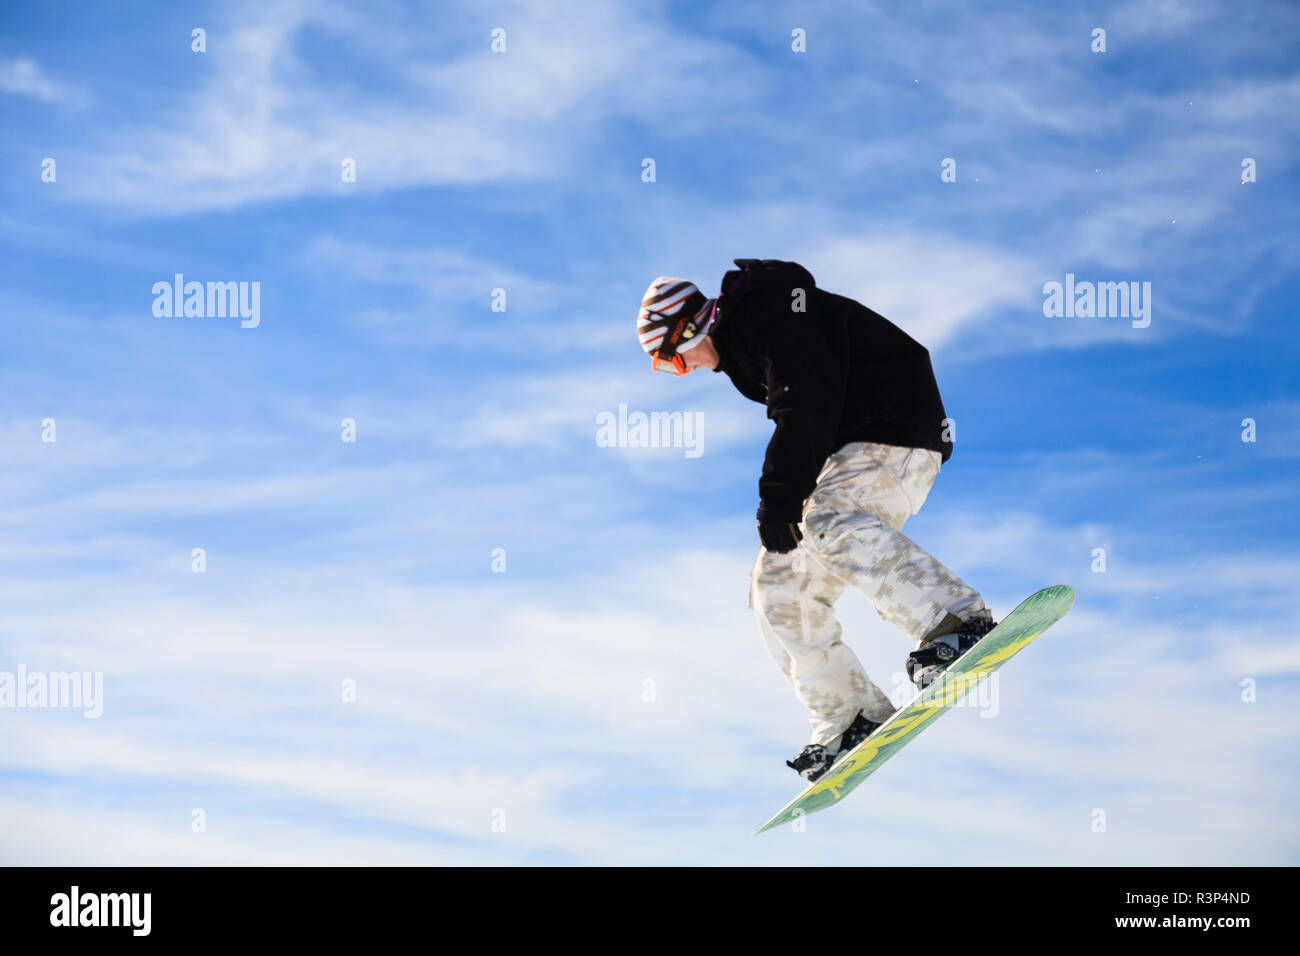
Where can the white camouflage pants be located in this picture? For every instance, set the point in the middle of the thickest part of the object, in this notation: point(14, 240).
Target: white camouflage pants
point(852, 535)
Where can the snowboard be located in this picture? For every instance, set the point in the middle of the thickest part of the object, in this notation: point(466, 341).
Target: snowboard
point(1035, 614)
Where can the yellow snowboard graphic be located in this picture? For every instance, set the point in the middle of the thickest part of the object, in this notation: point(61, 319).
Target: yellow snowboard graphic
point(1035, 614)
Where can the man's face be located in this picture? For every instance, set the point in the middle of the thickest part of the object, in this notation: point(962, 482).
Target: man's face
point(701, 356)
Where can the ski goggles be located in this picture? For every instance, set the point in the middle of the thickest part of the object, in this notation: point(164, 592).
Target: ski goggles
point(659, 362)
point(666, 358)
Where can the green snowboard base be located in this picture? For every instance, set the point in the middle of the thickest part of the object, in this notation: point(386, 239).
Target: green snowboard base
point(1035, 614)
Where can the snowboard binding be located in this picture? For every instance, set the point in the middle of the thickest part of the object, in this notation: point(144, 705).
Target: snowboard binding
point(933, 657)
point(815, 759)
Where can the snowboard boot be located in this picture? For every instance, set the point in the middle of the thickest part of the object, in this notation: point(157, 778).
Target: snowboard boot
point(815, 759)
point(927, 662)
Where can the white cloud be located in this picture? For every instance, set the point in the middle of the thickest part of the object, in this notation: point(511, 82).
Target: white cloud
point(527, 695)
point(270, 125)
point(933, 286)
point(22, 76)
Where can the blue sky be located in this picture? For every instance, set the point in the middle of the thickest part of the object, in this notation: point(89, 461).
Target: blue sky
point(484, 696)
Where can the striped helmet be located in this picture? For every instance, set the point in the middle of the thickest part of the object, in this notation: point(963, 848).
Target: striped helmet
point(672, 320)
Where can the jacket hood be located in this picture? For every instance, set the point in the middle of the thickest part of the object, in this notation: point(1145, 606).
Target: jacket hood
point(761, 273)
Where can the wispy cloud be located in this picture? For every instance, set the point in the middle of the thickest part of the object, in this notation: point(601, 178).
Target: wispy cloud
point(22, 76)
point(272, 125)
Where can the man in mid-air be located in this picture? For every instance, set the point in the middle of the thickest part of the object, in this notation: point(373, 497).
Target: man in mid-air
point(860, 435)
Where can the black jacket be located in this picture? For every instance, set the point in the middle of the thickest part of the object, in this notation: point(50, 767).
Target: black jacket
point(832, 374)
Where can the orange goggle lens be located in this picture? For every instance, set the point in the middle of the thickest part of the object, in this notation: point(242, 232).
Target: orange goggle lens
point(676, 364)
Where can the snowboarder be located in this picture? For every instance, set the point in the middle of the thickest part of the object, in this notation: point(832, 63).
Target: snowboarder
point(860, 435)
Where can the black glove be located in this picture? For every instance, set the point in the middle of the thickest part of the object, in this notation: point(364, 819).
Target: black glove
point(779, 533)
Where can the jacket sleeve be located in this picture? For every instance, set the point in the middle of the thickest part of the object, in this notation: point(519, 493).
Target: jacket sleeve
point(805, 398)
